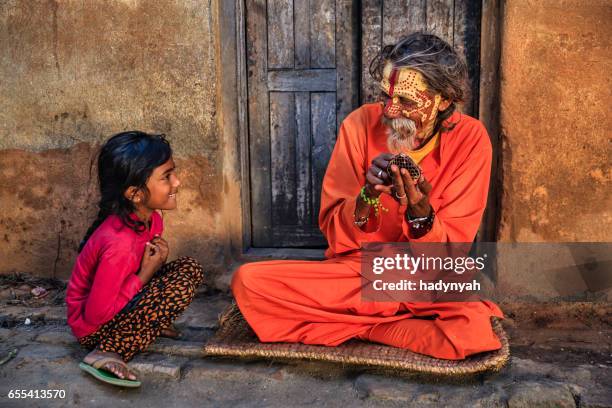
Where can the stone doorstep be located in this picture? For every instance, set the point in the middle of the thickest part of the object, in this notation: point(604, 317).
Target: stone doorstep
point(203, 313)
point(207, 370)
point(63, 336)
point(528, 369)
point(158, 365)
point(540, 393)
point(177, 348)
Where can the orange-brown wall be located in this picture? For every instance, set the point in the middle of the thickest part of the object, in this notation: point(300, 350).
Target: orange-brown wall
point(73, 73)
point(555, 117)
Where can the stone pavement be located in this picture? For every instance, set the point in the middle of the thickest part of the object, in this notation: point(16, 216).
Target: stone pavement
point(553, 367)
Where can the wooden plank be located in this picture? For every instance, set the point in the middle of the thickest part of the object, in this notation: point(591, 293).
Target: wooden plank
point(313, 80)
point(489, 110)
point(323, 113)
point(347, 61)
point(260, 254)
point(402, 17)
point(297, 236)
point(232, 105)
point(371, 42)
point(243, 133)
point(440, 18)
point(280, 33)
point(259, 126)
point(323, 33)
point(301, 17)
point(282, 146)
point(302, 156)
point(466, 40)
point(460, 20)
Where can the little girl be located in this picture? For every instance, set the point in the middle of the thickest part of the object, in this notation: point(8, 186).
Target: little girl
point(122, 295)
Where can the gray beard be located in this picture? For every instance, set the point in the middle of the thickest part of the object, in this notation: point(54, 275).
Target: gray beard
point(401, 134)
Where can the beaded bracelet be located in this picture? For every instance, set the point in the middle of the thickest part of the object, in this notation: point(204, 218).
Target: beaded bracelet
point(373, 202)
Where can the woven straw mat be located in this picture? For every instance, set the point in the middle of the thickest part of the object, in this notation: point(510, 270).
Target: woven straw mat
point(236, 339)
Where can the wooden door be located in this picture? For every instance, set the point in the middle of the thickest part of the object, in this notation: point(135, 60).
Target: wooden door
point(302, 80)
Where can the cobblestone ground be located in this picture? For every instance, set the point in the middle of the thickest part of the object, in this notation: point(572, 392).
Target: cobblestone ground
point(558, 365)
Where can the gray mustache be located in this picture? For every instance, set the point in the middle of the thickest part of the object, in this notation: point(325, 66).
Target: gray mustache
point(403, 126)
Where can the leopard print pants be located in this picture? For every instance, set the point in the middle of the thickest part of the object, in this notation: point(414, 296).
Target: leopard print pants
point(154, 308)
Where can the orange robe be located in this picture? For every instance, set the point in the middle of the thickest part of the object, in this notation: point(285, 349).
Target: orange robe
point(319, 302)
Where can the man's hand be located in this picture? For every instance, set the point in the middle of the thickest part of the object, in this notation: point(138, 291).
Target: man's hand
point(409, 192)
point(376, 176)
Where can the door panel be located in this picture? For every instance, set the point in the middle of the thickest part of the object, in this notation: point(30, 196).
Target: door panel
point(299, 54)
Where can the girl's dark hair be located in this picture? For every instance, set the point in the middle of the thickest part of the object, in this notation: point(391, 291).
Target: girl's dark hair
point(443, 68)
point(126, 159)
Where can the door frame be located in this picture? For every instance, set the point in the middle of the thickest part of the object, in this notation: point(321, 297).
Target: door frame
point(233, 120)
point(489, 110)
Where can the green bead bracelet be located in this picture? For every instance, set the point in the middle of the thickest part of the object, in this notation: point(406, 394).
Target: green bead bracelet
point(373, 202)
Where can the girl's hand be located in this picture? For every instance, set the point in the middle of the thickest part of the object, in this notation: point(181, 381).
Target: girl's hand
point(152, 260)
point(162, 244)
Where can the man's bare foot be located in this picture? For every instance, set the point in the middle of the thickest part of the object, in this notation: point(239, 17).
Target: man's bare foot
point(120, 370)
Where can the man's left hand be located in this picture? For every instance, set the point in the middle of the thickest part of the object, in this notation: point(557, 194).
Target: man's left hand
point(412, 193)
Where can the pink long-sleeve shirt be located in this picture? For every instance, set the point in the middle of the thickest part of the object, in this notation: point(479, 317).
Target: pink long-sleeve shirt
point(104, 277)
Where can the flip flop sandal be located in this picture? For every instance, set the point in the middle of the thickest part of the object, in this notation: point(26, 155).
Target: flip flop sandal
point(96, 370)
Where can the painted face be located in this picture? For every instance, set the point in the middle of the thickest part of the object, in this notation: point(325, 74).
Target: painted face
point(163, 185)
point(407, 95)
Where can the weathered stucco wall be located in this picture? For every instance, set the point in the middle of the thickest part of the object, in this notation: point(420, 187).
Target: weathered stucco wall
point(556, 123)
point(555, 119)
point(74, 73)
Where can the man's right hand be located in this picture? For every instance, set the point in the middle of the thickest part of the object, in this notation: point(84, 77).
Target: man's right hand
point(377, 179)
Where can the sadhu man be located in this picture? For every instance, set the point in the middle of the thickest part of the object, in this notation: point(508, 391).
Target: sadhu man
point(422, 80)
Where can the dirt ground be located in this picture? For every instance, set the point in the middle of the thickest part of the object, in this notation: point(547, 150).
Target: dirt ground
point(561, 356)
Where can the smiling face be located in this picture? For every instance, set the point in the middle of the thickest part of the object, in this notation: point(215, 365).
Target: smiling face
point(162, 185)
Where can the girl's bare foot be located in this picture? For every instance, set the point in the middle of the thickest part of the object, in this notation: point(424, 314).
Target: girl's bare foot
point(170, 332)
point(119, 368)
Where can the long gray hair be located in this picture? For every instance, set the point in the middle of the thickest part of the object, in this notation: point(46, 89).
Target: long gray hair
point(443, 68)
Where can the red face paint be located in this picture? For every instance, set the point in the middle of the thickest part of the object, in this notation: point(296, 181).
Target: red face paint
point(408, 95)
